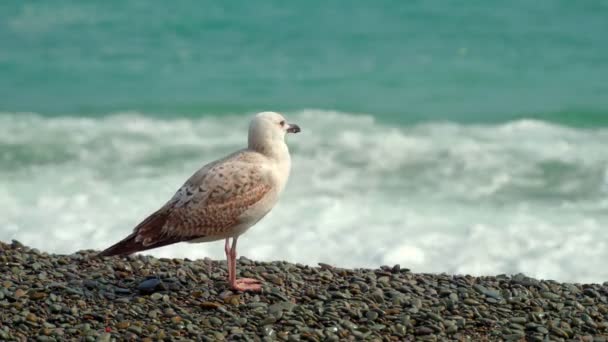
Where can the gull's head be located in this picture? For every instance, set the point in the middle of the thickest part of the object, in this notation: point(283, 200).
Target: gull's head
point(267, 128)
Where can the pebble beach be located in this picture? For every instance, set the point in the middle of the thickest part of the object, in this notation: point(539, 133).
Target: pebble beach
point(81, 297)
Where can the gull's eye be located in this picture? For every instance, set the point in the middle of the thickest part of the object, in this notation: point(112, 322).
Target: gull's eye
point(282, 123)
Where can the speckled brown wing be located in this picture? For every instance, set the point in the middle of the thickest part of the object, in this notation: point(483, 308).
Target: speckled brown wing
point(209, 203)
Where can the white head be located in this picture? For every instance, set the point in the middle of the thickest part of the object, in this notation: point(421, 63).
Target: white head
point(267, 131)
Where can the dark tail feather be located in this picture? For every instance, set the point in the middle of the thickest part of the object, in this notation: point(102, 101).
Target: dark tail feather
point(124, 247)
point(130, 246)
point(150, 226)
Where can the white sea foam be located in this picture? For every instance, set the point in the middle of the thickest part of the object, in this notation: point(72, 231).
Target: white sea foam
point(525, 196)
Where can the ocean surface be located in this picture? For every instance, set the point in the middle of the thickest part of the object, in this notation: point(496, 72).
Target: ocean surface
point(461, 137)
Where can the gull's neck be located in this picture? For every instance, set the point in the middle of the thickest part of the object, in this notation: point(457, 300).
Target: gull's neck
point(275, 149)
point(278, 154)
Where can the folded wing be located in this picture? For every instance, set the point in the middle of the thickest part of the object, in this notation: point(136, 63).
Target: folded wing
point(211, 202)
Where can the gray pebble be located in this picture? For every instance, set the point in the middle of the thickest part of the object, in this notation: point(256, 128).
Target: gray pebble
point(215, 321)
point(371, 315)
point(424, 330)
point(156, 296)
point(149, 285)
point(105, 337)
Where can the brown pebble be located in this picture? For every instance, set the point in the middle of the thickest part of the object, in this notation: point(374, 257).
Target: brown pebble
point(19, 293)
point(121, 274)
point(38, 295)
point(423, 330)
point(31, 317)
point(233, 300)
point(210, 305)
point(123, 324)
point(273, 279)
point(176, 319)
point(392, 312)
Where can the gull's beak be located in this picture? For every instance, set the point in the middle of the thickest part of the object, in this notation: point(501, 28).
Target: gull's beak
point(293, 128)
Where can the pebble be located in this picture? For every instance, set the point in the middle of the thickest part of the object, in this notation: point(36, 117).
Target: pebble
point(156, 296)
point(424, 331)
point(105, 337)
point(378, 296)
point(233, 300)
point(435, 317)
point(123, 324)
point(135, 329)
point(142, 298)
point(90, 284)
point(38, 295)
point(149, 285)
point(371, 315)
point(470, 301)
point(268, 331)
point(56, 308)
point(551, 296)
point(31, 317)
point(518, 320)
point(280, 307)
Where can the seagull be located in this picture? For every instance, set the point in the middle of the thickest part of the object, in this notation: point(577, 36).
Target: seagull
point(223, 199)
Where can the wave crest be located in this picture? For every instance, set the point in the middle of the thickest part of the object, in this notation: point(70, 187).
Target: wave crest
point(522, 196)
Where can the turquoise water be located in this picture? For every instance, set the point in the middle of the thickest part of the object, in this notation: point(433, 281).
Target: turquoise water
point(480, 61)
point(464, 137)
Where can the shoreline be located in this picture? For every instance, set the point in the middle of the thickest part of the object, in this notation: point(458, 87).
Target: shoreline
point(49, 297)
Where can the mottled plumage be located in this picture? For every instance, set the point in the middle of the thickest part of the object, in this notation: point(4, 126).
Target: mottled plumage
point(224, 198)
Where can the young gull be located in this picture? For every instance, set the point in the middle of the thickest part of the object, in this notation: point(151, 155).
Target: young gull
point(223, 199)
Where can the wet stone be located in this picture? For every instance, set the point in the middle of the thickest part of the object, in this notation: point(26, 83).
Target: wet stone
point(149, 285)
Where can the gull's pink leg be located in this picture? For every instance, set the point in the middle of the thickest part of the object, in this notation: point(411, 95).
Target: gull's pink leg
point(243, 284)
point(227, 250)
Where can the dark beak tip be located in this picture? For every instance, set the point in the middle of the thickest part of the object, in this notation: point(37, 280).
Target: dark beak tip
point(294, 129)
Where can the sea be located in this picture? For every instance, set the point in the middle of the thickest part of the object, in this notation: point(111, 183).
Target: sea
point(445, 136)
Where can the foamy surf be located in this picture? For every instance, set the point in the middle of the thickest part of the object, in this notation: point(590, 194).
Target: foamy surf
point(523, 196)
